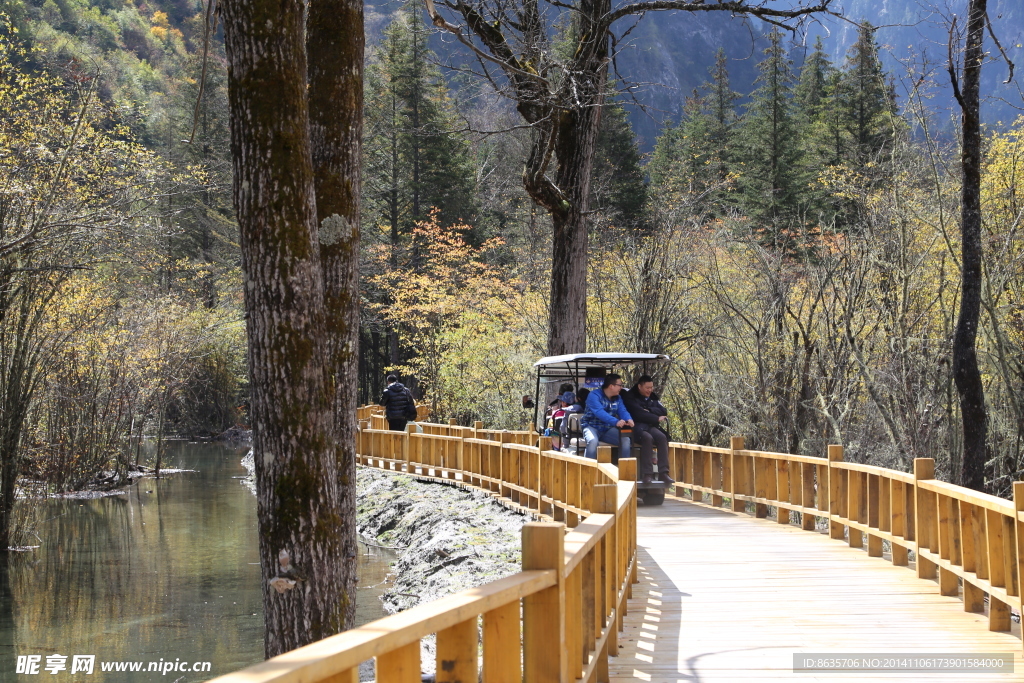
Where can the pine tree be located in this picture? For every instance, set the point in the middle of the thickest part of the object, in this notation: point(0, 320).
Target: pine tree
point(811, 90)
point(413, 162)
point(693, 162)
point(680, 167)
point(720, 100)
point(817, 99)
point(871, 101)
point(772, 183)
point(618, 184)
point(661, 167)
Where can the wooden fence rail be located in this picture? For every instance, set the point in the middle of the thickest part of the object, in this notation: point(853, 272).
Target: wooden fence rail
point(972, 542)
point(556, 620)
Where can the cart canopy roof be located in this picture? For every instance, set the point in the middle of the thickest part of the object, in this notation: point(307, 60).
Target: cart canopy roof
point(571, 364)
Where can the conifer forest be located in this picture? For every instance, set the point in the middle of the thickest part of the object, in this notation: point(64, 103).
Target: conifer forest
point(793, 234)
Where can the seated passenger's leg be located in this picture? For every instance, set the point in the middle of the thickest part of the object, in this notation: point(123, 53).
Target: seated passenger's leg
point(644, 438)
point(661, 441)
point(592, 438)
point(611, 436)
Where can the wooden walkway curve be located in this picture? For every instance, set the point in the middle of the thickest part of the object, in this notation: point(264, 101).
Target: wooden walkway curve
point(724, 597)
point(859, 561)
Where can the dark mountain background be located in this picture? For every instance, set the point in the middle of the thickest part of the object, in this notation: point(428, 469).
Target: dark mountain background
point(675, 50)
point(667, 54)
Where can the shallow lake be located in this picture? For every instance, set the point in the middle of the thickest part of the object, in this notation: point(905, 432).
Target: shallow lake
point(167, 571)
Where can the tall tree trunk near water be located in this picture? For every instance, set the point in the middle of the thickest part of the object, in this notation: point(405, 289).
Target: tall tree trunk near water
point(292, 389)
point(334, 42)
point(965, 356)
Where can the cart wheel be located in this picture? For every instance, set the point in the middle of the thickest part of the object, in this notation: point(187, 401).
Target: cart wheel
point(654, 497)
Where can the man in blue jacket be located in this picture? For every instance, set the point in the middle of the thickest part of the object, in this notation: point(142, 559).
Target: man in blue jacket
point(605, 415)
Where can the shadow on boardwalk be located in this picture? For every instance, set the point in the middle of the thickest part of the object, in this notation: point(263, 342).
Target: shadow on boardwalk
point(725, 597)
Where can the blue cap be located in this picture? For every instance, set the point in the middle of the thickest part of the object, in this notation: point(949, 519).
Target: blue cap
point(568, 397)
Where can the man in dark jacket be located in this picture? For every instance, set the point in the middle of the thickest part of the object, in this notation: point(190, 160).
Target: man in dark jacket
point(651, 428)
point(399, 405)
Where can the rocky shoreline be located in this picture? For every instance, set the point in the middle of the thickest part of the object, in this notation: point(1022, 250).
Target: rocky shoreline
point(449, 539)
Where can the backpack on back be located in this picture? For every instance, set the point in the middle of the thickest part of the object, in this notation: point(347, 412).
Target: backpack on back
point(410, 409)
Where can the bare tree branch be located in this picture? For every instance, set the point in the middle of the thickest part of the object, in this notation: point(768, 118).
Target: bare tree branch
point(733, 6)
point(991, 32)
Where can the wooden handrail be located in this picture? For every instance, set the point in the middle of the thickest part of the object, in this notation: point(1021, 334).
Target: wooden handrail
point(958, 535)
point(572, 590)
point(345, 651)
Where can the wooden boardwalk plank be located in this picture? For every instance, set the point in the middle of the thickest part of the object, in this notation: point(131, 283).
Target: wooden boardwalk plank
point(726, 597)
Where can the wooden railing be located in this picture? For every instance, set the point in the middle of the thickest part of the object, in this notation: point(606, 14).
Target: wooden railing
point(959, 534)
point(375, 413)
point(556, 620)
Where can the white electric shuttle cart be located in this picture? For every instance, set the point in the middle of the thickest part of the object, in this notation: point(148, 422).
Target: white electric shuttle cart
point(588, 370)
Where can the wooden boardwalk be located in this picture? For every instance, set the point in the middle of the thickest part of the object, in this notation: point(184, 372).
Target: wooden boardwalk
point(726, 597)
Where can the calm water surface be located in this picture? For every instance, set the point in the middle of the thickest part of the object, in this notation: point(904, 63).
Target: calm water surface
point(168, 571)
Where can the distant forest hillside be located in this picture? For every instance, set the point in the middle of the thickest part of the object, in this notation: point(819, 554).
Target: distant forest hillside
point(148, 47)
point(781, 219)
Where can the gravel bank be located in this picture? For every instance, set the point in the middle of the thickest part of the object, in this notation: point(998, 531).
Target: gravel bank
point(449, 539)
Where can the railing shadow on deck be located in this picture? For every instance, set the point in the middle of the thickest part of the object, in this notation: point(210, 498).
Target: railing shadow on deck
point(971, 542)
point(556, 620)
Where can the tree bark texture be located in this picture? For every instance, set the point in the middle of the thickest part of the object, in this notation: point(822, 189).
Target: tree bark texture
point(334, 45)
point(292, 405)
point(965, 357)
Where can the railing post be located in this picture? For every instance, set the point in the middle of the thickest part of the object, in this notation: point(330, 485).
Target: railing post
point(407, 448)
point(604, 454)
point(1018, 507)
point(627, 468)
point(606, 582)
point(504, 466)
point(627, 472)
point(835, 502)
point(457, 653)
point(738, 474)
point(544, 647)
point(898, 500)
point(537, 472)
point(924, 516)
point(361, 440)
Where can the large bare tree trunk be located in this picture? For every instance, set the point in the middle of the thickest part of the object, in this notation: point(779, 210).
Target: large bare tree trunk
point(567, 328)
point(572, 137)
point(334, 40)
point(965, 357)
point(292, 390)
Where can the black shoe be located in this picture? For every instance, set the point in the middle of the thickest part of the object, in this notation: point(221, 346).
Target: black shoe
point(667, 480)
point(648, 479)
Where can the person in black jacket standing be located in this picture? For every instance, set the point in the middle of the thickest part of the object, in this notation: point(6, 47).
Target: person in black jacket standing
point(399, 405)
point(651, 428)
